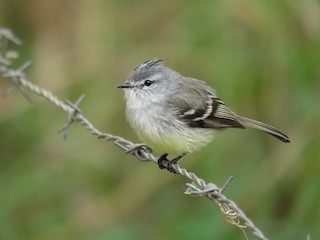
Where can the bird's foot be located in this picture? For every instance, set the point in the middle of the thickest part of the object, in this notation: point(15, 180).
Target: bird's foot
point(164, 163)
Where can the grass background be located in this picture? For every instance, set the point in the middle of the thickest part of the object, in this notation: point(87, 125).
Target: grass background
point(261, 56)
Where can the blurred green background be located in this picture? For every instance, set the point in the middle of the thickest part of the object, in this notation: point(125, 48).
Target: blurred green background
point(261, 56)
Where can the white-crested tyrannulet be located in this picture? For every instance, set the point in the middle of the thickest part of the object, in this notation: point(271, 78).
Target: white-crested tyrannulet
point(174, 114)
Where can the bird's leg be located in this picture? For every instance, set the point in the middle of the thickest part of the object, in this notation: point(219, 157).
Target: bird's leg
point(175, 160)
point(164, 163)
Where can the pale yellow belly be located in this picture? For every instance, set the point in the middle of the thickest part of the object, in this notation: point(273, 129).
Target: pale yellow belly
point(181, 142)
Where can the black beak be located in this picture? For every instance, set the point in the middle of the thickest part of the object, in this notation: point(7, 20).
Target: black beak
point(124, 85)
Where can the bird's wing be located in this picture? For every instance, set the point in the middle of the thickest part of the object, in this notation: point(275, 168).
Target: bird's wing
point(197, 104)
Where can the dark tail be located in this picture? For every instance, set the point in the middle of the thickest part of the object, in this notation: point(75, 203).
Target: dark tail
point(264, 127)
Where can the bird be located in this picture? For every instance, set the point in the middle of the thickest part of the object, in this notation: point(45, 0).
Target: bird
point(175, 114)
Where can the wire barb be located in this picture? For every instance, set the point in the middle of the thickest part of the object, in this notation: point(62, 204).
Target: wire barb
point(72, 116)
point(16, 76)
point(8, 35)
point(195, 190)
point(226, 184)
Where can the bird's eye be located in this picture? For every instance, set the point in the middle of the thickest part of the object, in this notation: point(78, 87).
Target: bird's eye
point(148, 82)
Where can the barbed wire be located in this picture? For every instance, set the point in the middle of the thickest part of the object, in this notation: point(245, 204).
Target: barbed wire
point(232, 213)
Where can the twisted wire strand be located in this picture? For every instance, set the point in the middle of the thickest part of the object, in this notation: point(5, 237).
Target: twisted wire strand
point(233, 214)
